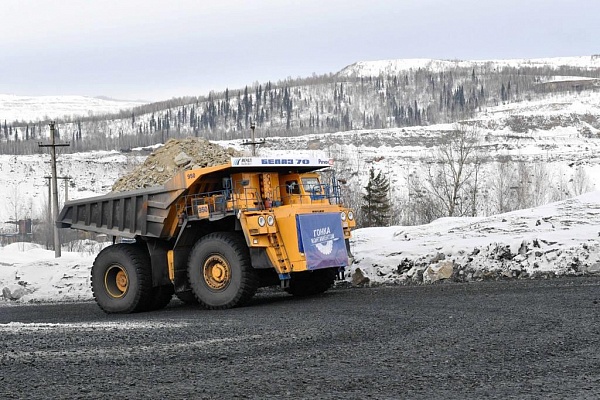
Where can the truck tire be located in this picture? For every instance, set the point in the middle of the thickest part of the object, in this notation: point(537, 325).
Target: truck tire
point(311, 282)
point(219, 271)
point(122, 279)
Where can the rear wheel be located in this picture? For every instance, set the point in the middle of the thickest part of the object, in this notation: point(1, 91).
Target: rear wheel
point(219, 271)
point(311, 282)
point(121, 279)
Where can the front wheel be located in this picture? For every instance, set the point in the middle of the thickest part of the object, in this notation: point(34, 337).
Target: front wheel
point(121, 279)
point(219, 271)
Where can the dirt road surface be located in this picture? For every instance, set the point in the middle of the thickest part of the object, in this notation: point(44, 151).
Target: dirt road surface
point(512, 339)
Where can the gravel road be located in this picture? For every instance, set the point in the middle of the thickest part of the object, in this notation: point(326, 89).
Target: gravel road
point(511, 339)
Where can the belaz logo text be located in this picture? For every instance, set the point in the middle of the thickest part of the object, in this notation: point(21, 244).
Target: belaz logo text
point(285, 161)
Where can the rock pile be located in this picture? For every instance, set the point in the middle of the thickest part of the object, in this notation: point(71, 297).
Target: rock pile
point(173, 157)
point(533, 259)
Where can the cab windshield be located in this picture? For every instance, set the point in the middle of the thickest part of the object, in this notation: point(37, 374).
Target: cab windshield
point(311, 185)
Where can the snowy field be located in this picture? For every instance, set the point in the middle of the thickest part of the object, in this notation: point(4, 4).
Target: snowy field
point(32, 108)
point(552, 240)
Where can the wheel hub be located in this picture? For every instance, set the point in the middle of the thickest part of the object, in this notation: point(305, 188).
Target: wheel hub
point(116, 281)
point(121, 281)
point(217, 272)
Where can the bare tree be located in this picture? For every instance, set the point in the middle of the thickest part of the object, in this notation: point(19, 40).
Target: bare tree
point(44, 230)
point(502, 185)
point(580, 182)
point(451, 180)
point(541, 182)
point(473, 185)
point(522, 187)
point(518, 185)
point(421, 207)
point(15, 206)
point(576, 185)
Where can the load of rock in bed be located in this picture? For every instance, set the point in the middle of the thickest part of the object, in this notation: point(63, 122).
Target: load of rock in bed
point(175, 156)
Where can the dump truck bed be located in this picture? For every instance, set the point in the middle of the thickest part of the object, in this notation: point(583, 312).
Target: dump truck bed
point(126, 214)
point(142, 212)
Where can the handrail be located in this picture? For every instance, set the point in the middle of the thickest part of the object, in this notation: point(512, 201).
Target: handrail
point(228, 201)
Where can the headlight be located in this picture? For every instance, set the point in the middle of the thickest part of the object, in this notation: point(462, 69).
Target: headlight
point(261, 221)
point(350, 215)
point(343, 215)
point(270, 220)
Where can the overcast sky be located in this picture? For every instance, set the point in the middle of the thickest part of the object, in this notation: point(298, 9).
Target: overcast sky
point(156, 50)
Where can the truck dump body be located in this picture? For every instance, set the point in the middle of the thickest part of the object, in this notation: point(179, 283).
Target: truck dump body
point(127, 214)
point(143, 212)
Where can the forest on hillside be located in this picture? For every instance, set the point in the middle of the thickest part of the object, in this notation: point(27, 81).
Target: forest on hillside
point(318, 104)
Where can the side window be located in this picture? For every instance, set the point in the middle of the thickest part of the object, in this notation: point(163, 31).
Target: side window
point(292, 187)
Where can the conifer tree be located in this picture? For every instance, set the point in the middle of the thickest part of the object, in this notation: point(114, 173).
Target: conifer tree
point(376, 201)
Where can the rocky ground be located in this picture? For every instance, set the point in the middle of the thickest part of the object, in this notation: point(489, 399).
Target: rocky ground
point(173, 157)
point(525, 339)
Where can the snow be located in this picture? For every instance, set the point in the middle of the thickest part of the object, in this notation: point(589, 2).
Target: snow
point(559, 78)
point(38, 108)
point(393, 67)
point(562, 238)
point(566, 104)
point(42, 277)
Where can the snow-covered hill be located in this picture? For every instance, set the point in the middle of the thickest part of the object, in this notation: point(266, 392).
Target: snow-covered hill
point(559, 132)
point(387, 97)
point(37, 108)
point(394, 67)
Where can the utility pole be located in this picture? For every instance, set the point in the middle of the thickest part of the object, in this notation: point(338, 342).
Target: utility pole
point(253, 142)
point(54, 189)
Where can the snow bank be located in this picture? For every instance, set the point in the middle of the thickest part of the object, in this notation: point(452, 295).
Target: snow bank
point(29, 273)
point(555, 239)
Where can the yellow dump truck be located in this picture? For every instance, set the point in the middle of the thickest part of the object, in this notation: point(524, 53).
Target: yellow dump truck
point(215, 235)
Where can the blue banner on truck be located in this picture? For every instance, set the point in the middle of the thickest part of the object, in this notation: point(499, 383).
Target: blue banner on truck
point(321, 239)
